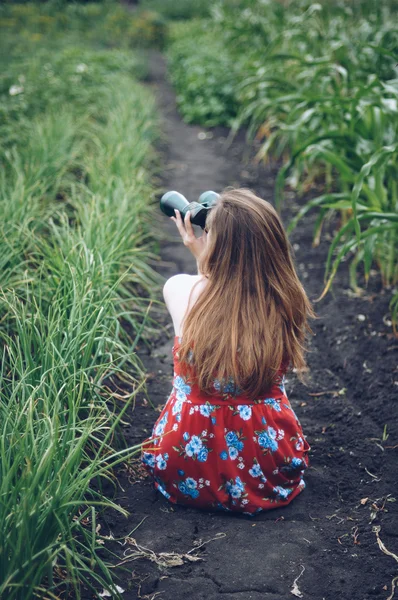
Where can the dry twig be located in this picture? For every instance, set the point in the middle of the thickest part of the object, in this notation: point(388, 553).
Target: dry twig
point(165, 559)
point(382, 547)
point(295, 589)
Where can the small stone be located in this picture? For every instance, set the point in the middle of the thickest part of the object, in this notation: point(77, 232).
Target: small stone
point(361, 318)
point(387, 321)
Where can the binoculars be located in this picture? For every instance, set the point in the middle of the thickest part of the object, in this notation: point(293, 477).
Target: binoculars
point(174, 200)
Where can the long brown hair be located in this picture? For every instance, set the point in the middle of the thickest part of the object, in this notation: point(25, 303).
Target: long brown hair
point(251, 318)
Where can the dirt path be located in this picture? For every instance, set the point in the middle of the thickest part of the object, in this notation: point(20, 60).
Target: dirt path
point(321, 546)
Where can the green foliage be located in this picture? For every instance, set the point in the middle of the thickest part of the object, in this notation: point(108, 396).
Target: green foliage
point(148, 28)
point(178, 9)
point(76, 134)
point(203, 74)
point(108, 24)
point(317, 84)
point(76, 75)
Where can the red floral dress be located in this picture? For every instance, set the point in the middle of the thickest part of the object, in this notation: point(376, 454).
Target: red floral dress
point(225, 451)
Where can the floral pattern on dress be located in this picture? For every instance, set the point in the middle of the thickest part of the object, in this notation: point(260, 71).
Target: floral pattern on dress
point(159, 427)
point(235, 488)
point(244, 411)
point(274, 403)
point(228, 389)
point(189, 487)
point(269, 437)
point(293, 465)
point(195, 446)
point(256, 471)
point(235, 444)
point(182, 388)
point(226, 452)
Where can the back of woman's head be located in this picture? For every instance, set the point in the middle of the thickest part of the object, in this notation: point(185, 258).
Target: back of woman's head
point(252, 317)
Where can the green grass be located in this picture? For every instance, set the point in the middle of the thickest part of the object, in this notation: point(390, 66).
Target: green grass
point(316, 84)
point(178, 10)
point(75, 290)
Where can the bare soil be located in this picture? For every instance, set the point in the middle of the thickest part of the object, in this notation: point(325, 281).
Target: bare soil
point(324, 545)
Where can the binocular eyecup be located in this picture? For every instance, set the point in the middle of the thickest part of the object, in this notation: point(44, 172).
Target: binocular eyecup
point(199, 210)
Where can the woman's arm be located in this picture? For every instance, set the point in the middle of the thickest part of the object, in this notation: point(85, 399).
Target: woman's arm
point(195, 245)
point(198, 269)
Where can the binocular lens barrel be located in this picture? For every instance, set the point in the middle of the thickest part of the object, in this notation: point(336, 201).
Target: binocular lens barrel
point(171, 200)
point(174, 200)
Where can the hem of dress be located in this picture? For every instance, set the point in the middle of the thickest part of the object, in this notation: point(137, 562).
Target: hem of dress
point(224, 508)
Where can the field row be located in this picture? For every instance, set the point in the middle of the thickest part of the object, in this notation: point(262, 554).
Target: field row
point(76, 135)
point(317, 85)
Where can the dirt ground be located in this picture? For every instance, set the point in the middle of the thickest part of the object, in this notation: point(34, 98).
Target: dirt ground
point(324, 545)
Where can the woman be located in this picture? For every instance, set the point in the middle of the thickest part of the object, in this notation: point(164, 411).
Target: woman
point(227, 437)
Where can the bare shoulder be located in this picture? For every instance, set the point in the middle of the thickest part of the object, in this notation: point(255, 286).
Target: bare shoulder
point(177, 295)
point(180, 281)
point(181, 284)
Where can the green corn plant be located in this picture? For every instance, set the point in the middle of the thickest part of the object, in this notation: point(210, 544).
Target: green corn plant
point(315, 84)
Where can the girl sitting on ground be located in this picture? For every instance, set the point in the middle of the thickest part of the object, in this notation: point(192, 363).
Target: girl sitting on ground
point(227, 437)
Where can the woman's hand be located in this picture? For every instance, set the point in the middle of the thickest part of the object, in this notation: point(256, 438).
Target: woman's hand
point(195, 245)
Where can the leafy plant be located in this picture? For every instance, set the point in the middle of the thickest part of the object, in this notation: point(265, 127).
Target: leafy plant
point(203, 75)
point(316, 84)
point(178, 9)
